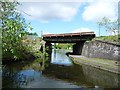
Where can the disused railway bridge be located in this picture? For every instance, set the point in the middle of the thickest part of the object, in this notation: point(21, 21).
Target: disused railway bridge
point(68, 37)
point(78, 38)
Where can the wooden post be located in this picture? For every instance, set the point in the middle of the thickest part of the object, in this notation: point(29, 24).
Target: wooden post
point(43, 62)
point(55, 46)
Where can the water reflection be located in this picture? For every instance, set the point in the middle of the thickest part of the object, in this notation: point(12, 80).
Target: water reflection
point(61, 73)
point(80, 75)
point(84, 76)
point(101, 78)
point(16, 75)
point(59, 57)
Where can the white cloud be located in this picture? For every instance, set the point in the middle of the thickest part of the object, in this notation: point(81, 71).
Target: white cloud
point(98, 9)
point(46, 33)
point(49, 11)
point(67, 9)
point(82, 29)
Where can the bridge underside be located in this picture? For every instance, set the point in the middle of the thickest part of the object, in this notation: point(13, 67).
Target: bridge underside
point(68, 39)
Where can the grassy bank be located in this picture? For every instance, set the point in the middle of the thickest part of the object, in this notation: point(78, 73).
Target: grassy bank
point(115, 38)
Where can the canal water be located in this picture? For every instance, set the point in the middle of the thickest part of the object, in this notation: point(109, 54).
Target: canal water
point(60, 73)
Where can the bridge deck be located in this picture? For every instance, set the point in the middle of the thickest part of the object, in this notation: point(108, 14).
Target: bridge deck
point(68, 34)
point(68, 37)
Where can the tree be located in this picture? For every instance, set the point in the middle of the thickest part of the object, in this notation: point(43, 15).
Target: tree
point(13, 27)
point(110, 26)
point(100, 24)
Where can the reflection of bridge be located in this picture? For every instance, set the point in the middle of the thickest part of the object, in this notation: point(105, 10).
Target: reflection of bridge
point(78, 38)
point(68, 37)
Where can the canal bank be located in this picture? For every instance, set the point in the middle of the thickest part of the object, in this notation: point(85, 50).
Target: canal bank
point(99, 54)
point(104, 64)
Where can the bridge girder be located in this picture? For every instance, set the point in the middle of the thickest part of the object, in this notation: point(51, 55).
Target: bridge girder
point(68, 39)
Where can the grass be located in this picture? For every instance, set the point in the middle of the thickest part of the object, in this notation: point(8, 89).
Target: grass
point(115, 38)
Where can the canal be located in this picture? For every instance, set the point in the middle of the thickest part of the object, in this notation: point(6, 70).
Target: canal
point(60, 73)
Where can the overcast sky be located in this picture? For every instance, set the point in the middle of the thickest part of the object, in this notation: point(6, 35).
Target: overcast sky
point(65, 16)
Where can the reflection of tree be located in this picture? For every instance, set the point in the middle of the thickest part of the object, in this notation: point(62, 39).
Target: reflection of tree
point(13, 74)
point(8, 77)
point(16, 79)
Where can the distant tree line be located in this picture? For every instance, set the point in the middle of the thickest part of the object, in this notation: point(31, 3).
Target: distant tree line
point(63, 46)
point(35, 34)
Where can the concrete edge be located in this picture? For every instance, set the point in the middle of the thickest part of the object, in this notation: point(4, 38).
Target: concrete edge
point(78, 60)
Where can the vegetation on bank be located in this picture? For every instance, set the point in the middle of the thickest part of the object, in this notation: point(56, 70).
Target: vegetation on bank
point(32, 44)
point(115, 38)
point(16, 42)
point(111, 27)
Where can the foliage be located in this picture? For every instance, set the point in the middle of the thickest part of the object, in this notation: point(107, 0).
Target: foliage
point(13, 29)
point(35, 34)
point(110, 26)
point(114, 38)
point(63, 46)
point(32, 44)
